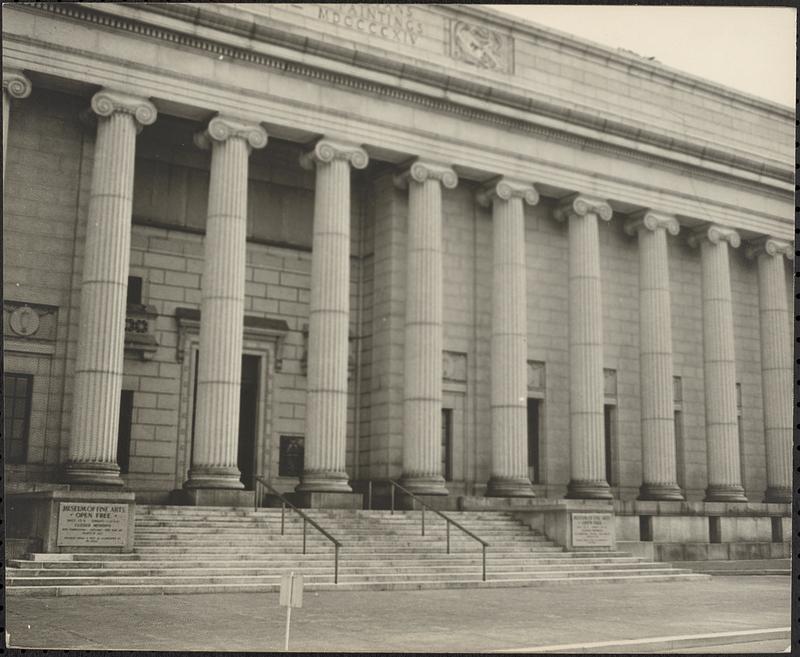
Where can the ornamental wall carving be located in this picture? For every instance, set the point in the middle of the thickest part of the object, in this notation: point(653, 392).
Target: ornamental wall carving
point(479, 46)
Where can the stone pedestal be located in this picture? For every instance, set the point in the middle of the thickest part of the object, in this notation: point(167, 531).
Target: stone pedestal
point(101, 339)
point(659, 464)
point(326, 500)
point(422, 400)
point(587, 449)
point(329, 317)
point(719, 365)
point(222, 311)
point(776, 365)
point(38, 516)
point(509, 338)
point(15, 85)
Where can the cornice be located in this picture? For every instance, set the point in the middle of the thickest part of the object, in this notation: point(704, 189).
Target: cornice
point(485, 93)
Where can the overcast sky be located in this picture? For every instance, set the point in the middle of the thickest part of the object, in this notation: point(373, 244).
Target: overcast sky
point(751, 49)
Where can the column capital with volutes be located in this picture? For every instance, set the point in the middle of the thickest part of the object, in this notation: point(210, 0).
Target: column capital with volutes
point(714, 234)
point(505, 189)
point(109, 101)
point(770, 246)
point(16, 83)
point(579, 205)
point(329, 150)
point(651, 220)
point(221, 128)
point(420, 171)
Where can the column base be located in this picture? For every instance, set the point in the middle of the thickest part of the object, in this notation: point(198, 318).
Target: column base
point(323, 482)
point(214, 477)
point(588, 490)
point(93, 473)
point(434, 485)
point(509, 487)
point(655, 492)
point(725, 494)
point(778, 495)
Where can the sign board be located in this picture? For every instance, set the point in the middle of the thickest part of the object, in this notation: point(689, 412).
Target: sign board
point(592, 530)
point(291, 590)
point(92, 524)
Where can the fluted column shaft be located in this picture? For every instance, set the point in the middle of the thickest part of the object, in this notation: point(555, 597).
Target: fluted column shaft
point(719, 365)
point(15, 85)
point(326, 425)
point(509, 346)
point(587, 448)
point(776, 365)
point(422, 400)
point(216, 440)
point(659, 463)
point(101, 339)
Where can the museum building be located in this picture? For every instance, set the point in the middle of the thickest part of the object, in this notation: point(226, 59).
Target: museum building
point(331, 245)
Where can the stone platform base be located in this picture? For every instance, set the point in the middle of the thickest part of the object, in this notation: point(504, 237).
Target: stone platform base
point(212, 497)
point(37, 516)
point(323, 500)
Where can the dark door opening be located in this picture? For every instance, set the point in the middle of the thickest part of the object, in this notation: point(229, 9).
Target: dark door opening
point(533, 440)
point(248, 418)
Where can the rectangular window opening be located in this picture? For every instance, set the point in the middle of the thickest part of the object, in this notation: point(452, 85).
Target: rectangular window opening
point(291, 456)
point(447, 443)
point(777, 530)
point(609, 434)
point(124, 430)
point(646, 528)
point(534, 439)
point(714, 529)
point(134, 291)
point(17, 393)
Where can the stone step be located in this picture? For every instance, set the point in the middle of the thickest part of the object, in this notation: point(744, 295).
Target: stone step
point(235, 538)
point(324, 577)
point(157, 589)
point(274, 547)
point(338, 532)
point(322, 561)
point(344, 569)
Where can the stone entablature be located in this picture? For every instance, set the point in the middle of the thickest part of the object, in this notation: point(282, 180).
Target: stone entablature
point(445, 34)
point(516, 132)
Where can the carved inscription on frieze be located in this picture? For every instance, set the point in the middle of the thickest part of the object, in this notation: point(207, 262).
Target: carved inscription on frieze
point(390, 21)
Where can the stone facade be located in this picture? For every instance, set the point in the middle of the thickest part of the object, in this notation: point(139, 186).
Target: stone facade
point(375, 285)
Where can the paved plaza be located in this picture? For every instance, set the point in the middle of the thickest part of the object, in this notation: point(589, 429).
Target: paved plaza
point(523, 619)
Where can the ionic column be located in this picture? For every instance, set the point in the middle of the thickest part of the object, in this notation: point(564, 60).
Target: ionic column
point(659, 464)
point(509, 349)
point(222, 303)
point(719, 364)
point(422, 397)
point(776, 365)
point(329, 317)
point(101, 339)
point(587, 448)
point(15, 85)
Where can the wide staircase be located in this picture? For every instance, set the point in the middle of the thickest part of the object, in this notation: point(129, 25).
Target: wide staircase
point(216, 549)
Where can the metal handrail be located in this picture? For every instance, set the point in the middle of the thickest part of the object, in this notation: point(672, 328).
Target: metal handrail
point(424, 504)
point(284, 502)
